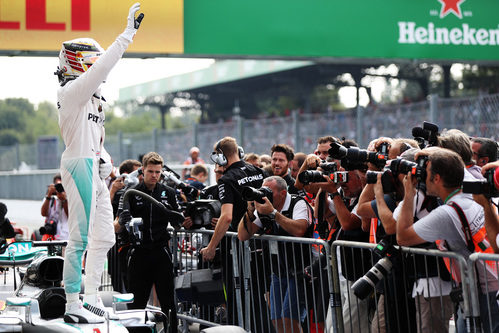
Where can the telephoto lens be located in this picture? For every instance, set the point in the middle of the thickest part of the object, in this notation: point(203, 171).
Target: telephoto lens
point(483, 186)
point(401, 166)
point(311, 176)
point(372, 176)
point(364, 286)
point(252, 194)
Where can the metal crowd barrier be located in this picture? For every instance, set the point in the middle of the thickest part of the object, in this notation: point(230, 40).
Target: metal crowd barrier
point(316, 286)
point(247, 269)
point(413, 296)
point(484, 302)
point(216, 303)
point(287, 273)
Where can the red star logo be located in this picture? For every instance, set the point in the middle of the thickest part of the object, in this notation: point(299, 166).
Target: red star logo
point(453, 6)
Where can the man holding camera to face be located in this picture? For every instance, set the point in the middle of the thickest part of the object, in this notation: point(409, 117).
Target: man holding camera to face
point(285, 215)
point(55, 211)
point(456, 224)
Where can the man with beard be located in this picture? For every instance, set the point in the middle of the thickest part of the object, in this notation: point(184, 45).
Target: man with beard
point(282, 155)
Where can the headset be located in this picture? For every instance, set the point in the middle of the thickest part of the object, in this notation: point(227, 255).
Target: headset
point(219, 157)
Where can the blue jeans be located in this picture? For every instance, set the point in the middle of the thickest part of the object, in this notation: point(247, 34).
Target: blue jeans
point(286, 299)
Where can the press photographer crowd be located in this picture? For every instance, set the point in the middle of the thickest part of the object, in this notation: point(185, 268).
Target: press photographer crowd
point(433, 190)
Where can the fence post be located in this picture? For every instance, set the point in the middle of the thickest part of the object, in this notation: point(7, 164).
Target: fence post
point(120, 145)
point(296, 129)
point(359, 126)
point(433, 107)
point(155, 139)
point(246, 252)
point(237, 277)
point(239, 129)
point(195, 130)
point(18, 156)
point(474, 320)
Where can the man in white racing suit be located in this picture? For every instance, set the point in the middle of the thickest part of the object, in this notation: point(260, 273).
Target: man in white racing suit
point(84, 65)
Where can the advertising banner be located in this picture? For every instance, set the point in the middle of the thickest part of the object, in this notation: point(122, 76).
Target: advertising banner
point(422, 29)
point(456, 30)
point(42, 25)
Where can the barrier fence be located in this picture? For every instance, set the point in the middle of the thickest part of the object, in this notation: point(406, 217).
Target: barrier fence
point(476, 116)
point(417, 293)
point(320, 288)
point(485, 301)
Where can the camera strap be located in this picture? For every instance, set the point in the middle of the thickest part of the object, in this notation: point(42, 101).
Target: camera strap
point(466, 226)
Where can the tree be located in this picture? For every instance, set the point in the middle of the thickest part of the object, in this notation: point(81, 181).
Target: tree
point(480, 79)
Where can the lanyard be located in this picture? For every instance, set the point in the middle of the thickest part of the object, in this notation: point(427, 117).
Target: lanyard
point(452, 194)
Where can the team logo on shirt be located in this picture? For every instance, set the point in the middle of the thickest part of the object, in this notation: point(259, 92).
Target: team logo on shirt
point(95, 118)
point(248, 179)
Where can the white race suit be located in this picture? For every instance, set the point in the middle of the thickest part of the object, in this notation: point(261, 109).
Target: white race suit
point(90, 218)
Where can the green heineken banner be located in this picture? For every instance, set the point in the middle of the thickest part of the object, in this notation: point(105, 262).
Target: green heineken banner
point(413, 29)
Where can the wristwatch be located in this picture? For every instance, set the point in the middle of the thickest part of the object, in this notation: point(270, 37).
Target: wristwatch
point(272, 215)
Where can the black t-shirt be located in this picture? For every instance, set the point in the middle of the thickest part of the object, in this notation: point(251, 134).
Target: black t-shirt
point(155, 224)
point(238, 175)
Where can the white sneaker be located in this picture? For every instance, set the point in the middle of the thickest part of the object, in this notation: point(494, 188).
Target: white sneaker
point(93, 303)
point(76, 313)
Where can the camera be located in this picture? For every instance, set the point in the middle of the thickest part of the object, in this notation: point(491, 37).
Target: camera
point(429, 133)
point(483, 186)
point(132, 178)
point(417, 169)
point(49, 228)
point(171, 177)
point(134, 229)
point(363, 286)
point(328, 169)
point(202, 212)
point(352, 158)
point(59, 188)
point(387, 180)
point(251, 194)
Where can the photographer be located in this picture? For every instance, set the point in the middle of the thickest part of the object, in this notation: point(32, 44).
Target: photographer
point(118, 185)
point(286, 215)
point(211, 193)
point(342, 207)
point(375, 207)
point(117, 255)
point(484, 151)
point(312, 162)
point(444, 178)
point(460, 143)
point(150, 261)
point(55, 211)
point(432, 287)
point(491, 217)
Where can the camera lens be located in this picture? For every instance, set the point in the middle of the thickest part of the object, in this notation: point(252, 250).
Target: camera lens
point(372, 177)
point(363, 286)
point(311, 176)
point(337, 151)
point(251, 194)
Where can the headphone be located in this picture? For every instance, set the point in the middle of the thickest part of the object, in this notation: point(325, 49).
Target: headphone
point(218, 156)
